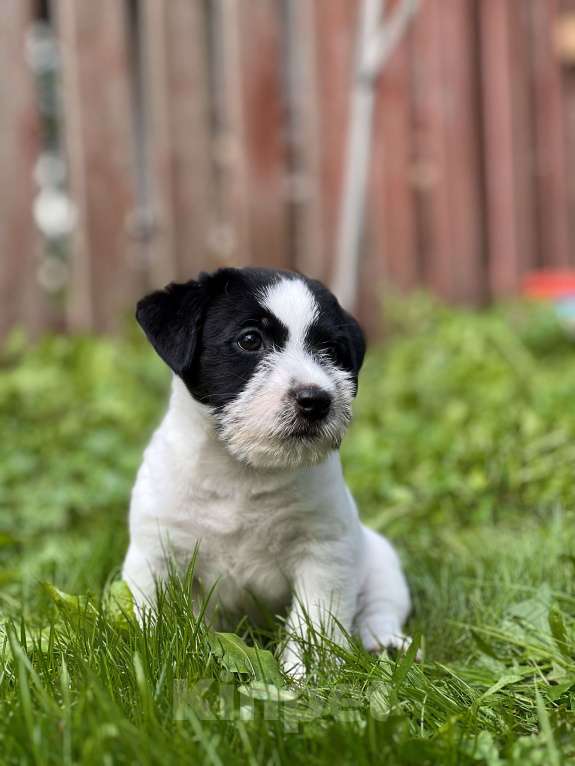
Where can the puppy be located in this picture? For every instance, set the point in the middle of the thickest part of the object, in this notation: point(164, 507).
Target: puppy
point(245, 469)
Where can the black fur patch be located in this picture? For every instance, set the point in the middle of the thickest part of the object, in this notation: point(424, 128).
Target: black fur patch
point(335, 332)
point(195, 327)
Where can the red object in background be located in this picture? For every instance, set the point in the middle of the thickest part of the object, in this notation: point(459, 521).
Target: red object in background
point(549, 285)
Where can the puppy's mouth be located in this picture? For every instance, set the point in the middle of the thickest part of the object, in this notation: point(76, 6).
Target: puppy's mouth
point(316, 440)
point(303, 431)
point(312, 431)
point(291, 438)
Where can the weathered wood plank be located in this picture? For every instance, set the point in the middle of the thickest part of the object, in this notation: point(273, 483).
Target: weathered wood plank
point(173, 38)
point(567, 16)
point(392, 214)
point(19, 295)
point(303, 138)
point(462, 134)
point(430, 169)
point(505, 256)
point(447, 161)
point(390, 260)
point(526, 219)
point(98, 134)
point(336, 25)
point(154, 116)
point(260, 66)
point(508, 133)
point(551, 146)
point(231, 234)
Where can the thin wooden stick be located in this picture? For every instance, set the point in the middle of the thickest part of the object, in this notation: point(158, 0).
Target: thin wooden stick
point(374, 50)
point(384, 43)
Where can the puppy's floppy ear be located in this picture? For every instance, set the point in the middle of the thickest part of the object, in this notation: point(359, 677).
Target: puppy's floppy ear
point(171, 319)
point(356, 340)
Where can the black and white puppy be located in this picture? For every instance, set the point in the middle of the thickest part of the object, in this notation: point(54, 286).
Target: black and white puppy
point(245, 465)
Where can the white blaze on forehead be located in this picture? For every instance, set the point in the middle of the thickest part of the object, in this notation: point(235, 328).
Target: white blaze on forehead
point(293, 303)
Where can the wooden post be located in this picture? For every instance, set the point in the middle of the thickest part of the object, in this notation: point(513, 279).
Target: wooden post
point(446, 171)
point(429, 171)
point(463, 276)
point(250, 151)
point(99, 144)
point(551, 142)
point(524, 158)
point(304, 138)
point(335, 22)
point(232, 230)
point(260, 66)
point(391, 222)
point(177, 111)
point(19, 295)
point(509, 217)
point(565, 46)
point(504, 252)
point(390, 260)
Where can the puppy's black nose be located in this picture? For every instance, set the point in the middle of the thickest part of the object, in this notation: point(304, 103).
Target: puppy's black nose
point(312, 402)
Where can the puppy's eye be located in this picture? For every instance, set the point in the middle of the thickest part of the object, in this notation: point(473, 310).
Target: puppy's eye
point(250, 340)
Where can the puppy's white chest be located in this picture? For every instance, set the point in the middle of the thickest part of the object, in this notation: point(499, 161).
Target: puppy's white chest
point(245, 551)
point(250, 528)
point(244, 531)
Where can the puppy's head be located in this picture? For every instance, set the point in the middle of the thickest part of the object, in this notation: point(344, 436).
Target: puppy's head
point(271, 354)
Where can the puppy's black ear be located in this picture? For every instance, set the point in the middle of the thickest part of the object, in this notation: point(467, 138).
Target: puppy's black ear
point(356, 340)
point(171, 319)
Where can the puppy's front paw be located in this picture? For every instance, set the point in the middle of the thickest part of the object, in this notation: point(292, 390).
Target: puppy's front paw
point(394, 643)
point(292, 663)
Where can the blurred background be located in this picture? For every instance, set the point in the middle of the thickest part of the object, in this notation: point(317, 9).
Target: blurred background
point(144, 140)
point(419, 157)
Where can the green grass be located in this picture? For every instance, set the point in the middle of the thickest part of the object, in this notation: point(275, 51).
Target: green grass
point(462, 451)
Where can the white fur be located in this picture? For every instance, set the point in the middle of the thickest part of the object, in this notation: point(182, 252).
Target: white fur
point(292, 302)
point(274, 524)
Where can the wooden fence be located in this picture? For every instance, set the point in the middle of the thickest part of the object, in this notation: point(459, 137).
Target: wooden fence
point(198, 133)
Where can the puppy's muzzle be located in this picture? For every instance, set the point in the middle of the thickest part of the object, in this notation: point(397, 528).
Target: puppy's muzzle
point(312, 403)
